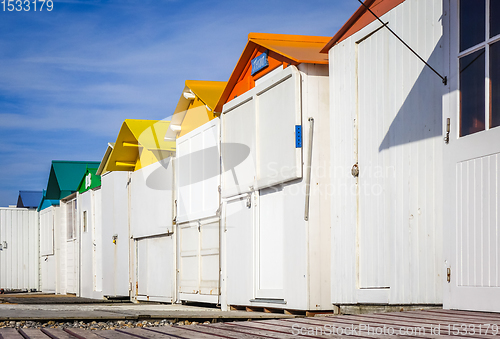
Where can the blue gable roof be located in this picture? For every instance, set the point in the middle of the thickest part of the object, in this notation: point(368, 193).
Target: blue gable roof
point(29, 199)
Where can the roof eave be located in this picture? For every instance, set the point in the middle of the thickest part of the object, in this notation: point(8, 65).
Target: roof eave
point(359, 12)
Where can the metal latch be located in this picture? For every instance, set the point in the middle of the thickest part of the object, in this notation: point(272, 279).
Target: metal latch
point(448, 274)
point(249, 200)
point(355, 170)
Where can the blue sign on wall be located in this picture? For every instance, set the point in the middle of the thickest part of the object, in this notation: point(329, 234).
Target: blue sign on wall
point(259, 63)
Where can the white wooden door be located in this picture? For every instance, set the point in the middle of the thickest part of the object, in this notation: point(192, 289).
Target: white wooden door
point(199, 266)
point(96, 240)
point(472, 163)
point(155, 268)
point(269, 206)
point(372, 123)
point(72, 248)
point(238, 218)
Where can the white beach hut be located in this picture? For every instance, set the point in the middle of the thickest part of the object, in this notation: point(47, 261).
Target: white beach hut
point(59, 227)
point(275, 148)
point(137, 195)
point(386, 155)
point(19, 256)
point(195, 126)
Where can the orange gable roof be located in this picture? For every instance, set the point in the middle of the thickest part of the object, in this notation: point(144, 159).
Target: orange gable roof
point(283, 50)
point(360, 19)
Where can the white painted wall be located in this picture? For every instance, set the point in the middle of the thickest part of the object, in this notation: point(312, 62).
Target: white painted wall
point(115, 221)
point(19, 258)
point(151, 221)
point(91, 274)
point(269, 250)
point(386, 115)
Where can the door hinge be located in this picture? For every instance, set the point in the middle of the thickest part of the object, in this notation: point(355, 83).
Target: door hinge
point(448, 274)
point(447, 137)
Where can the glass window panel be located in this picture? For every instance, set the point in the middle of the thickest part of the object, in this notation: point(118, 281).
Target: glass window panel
point(494, 17)
point(472, 23)
point(472, 93)
point(495, 84)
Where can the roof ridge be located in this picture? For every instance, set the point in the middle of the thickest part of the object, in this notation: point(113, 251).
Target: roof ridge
point(288, 37)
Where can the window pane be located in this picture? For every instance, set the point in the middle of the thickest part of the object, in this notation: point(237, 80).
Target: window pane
point(472, 93)
point(494, 17)
point(472, 23)
point(495, 84)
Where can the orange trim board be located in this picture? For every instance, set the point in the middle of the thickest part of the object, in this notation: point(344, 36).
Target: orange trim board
point(361, 18)
point(283, 50)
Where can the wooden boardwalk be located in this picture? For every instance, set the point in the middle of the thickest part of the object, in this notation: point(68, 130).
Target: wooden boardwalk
point(415, 324)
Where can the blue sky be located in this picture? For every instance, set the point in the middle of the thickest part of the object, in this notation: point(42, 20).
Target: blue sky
point(69, 77)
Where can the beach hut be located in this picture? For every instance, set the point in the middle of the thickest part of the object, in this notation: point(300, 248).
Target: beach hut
point(59, 227)
point(386, 155)
point(89, 214)
point(19, 260)
point(471, 157)
point(137, 194)
point(275, 148)
point(195, 126)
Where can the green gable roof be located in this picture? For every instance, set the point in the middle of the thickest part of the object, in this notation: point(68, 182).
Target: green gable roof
point(89, 181)
point(65, 177)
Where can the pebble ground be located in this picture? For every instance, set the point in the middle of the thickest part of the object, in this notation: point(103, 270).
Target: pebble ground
point(95, 325)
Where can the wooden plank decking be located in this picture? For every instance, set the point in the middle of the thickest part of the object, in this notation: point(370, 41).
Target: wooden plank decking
point(414, 324)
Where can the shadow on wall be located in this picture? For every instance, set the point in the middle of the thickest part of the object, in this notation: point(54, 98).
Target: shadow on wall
point(420, 116)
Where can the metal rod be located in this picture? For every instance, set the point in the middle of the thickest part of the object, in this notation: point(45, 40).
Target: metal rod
point(308, 169)
point(445, 79)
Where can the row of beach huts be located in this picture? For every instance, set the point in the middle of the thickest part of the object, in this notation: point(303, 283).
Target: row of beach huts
point(325, 172)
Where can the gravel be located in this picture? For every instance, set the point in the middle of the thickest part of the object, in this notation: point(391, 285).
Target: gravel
point(95, 325)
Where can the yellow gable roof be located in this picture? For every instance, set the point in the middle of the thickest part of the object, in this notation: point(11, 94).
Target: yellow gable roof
point(137, 140)
point(208, 94)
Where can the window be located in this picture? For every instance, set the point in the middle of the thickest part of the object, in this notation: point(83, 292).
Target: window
point(71, 219)
point(84, 221)
point(479, 57)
